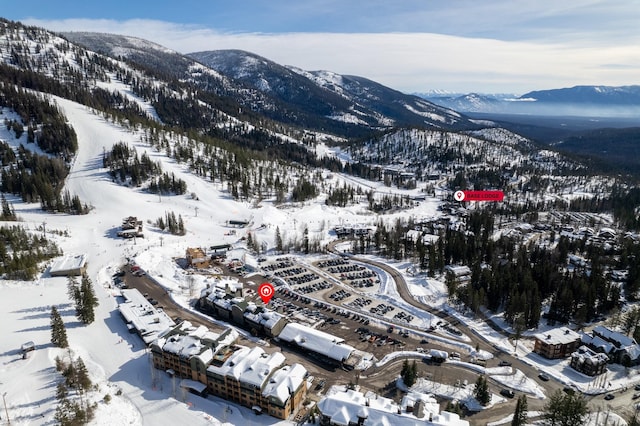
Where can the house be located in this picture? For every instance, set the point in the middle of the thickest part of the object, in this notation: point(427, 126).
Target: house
point(461, 274)
point(350, 407)
point(589, 362)
point(620, 348)
point(131, 227)
point(69, 266)
point(607, 234)
point(196, 258)
point(556, 343)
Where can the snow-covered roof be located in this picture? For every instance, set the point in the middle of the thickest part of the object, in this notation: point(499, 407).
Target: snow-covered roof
point(184, 346)
point(317, 341)
point(458, 270)
point(249, 365)
point(265, 317)
point(285, 382)
point(223, 283)
point(558, 336)
point(614, 336)
point(633, 351)
point(597, 342)
point(344, 407)
point(604, 232)
point(68, 262)
point(584, 354)
point(192, 384)
point(147, 320)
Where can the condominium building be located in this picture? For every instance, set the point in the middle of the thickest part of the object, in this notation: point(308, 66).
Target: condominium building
point(248, 376)
point(556, 343)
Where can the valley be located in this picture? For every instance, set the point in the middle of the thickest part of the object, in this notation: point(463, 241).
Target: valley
point(338, 191)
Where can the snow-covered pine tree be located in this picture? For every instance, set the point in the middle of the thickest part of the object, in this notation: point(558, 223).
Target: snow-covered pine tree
point(58, 330)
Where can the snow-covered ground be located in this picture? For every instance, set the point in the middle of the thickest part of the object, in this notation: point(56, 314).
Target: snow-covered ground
point(117, 360)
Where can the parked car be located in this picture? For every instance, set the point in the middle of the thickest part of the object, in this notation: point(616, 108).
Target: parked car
point(504, 364)
point(636, 395)
point(507, 393)
point(637, 387)
point(609, 397)
point(544, 377)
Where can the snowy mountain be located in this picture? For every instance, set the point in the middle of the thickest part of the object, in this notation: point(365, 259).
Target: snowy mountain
point(134, 129)
point(589, 101)
point(471, 102)
point(589, 95)
point(327, 95)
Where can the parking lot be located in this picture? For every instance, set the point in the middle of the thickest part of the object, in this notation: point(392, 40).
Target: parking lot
point(338, 282)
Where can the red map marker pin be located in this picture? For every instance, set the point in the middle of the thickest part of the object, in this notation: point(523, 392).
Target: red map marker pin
point(266, 291)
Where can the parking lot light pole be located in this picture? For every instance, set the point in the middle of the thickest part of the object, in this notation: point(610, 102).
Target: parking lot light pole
point(6, 412)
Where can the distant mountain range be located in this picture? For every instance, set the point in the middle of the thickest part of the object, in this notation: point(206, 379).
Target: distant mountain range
point(346, 106)
point(341, 98)
point(584, 101)
point(231, 93)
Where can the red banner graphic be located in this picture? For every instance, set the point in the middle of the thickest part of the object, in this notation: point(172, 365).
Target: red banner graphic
point(478, 195)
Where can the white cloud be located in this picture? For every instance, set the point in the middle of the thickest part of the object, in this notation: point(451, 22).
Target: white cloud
point(405, 61)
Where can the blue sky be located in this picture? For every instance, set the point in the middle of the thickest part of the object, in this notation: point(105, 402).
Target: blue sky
point(411, 45)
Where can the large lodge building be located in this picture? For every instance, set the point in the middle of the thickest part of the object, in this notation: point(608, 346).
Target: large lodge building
point(248, 376)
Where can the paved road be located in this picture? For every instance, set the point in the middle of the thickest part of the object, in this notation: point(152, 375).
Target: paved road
point(445, 374)
point(147, 285)
point(501, 410)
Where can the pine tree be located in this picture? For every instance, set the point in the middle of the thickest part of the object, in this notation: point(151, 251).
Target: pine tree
point(74, 294)
point(520, 414)
point(278, 240)
point(565, 409)
point(8, 213)
point(83, 382)
point(58, 330)
point(481, 391)
point(409, 373)
point(88, 301)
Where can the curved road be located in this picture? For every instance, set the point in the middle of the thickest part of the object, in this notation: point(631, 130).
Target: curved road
point(493, 414)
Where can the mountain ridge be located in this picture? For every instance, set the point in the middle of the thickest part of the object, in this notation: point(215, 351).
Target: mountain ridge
point(587, 101)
